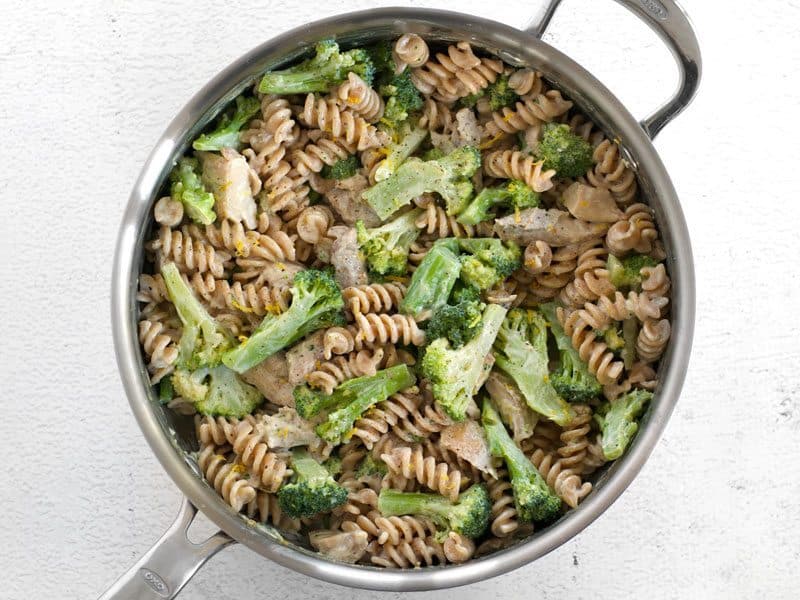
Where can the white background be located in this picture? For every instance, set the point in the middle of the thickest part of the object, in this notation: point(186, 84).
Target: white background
point(86, 89)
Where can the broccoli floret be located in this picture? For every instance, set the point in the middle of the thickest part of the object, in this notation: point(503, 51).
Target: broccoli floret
point(448, 177)
point(470, 100)
point(534, 499)
point(612, 336)
point(433, 154)
point(618, 421)
point(316, 303)
point(166, 391)
point(469, 515)
point(333, 465)
point(217, 391)
point(500, 93)
point(312, 489)
point(626, 273)
point(407, 142)
point(431, 282)
point(520, 351)
point(464, 293)
point(341, 169)
point(371, 466)
point(355, 396)
point(513, 194)
point(572, 380)
point(457, 322)
point(382, 60)
point(386, 247)
point(203, 341)
point(188, 189)
point(560, 149)
point(328, 68)
point(226, 135)
point(455, 373)
point(487, 261)
point(402, 98)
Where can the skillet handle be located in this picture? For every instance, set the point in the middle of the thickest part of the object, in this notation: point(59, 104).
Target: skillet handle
point(670, 22)
point(168, 566)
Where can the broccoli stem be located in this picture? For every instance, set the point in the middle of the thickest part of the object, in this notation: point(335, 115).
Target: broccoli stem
point(431, 283)
point(306, 468)
point(393, 502)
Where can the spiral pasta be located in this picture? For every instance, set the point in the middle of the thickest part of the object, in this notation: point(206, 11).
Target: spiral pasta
point(341, 125)
point(565, 482)
point(435, 221)
point(313, 157)
point(532, 109)
point(390, 530)
point(612, 172)
point(635, 232)
point(652, 339)
point(160, 344)
point(436, 116)
point(513, 164)
point(380, 329)
point(266, 508)
point(504, 513)
point(595, 353)
point(373, 298)
point(410, 50)
point(329, 374)
point(359, 97)
point(410, 463)
point(416, 553)
point(168, 212)
point(455, 74)
point(574, 437)
point(458, 548)
point(267, 467)
point(189, 254)
point(218, 431)
point(526, 82)
point(313, 223)
point(591, 280)
point(225, 477)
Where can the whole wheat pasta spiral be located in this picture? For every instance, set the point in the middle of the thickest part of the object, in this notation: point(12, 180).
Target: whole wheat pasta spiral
point(160, 344)
point(655, 281)
point(600, 314)
point(268, 468)
point(410, 463)
point(538, 256)
point(595, 353)
point(652, 339)
point(504, 512)
point(458, 548)
point(410, 50)
point(436, 222)
point(565, 482)
point(530, 110)
point(383, 329)
point(266, 508)
point(341, 125)
point(189, 254)
point(526, 82)
point(168, 212)
point(612, 172)
point(330, 373)
point(276, 115)
point(225, 477)
point(390, 530)
point(635, 232)
point(513, 164)
point(373, 298)
point(436, 116)
point(559, 273)
point(315, 155)
point(574, 437)
point(218, 431)
point(591, 278)
point(359, 97)
point(416, 553)
point(313, 223)
point(258, 300)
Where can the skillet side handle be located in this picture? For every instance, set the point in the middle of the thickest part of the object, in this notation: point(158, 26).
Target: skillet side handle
point(670, 22)
point(168, 566)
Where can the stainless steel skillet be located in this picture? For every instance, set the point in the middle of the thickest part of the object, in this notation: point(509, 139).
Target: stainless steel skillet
point(171, 562)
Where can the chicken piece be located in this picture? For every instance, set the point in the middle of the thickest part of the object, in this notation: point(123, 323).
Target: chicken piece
point(278, 274)
point(345, 198)
point(233, 183)
point(346, 546)
point(488, 363)
point(591, 204)
point(468, 441)
point(303, 357)
point(556, 227)
point(286, 429)
point(349, 265)
point(271, 377)
point(512, 406)
point(465, 132)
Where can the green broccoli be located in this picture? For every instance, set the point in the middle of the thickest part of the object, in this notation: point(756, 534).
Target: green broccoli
point(513, 194)
point(534, 499)
point(455, 373)
point(612, 336)
point(341, 169)
point(402, 98)
point(380, 54)
point(408, 140)
point(498, 93)
point(312, 489)
point(355, 396)
point(448, 176)
point(433, 154)
point(371, 466)
point(457, 322)
point(386, 247)
point(316, 303)
point(328, 68)
point(560, 149)
point(432, 280)
point(188, 189)
point(226, 134)
point(333, 464)
point(464, 293)
point(217, 391)
point(166, 391)
point(487, 261)
point(618, 421)
point(520, 351)
point(469, 515)
point(572, 379)
point(626, 273)
point(630, 331)
point(203, 341)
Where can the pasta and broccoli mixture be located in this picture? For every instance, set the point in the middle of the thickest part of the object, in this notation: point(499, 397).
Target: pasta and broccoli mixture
point(411, 298)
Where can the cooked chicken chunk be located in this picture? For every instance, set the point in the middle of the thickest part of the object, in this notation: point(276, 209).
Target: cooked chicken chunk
point(349, 266)
point(346, 546)
point(233, 183)
point(511, 405)
point(302, 358)
point(556, 227)
point(271, 377)
point(591, 204)
point(468, 441)
point(345, 198)
point(286, 429)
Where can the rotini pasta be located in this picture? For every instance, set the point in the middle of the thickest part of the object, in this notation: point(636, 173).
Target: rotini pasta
point(513, 164)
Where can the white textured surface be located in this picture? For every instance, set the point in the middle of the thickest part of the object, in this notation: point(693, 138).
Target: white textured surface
point(85, 90)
